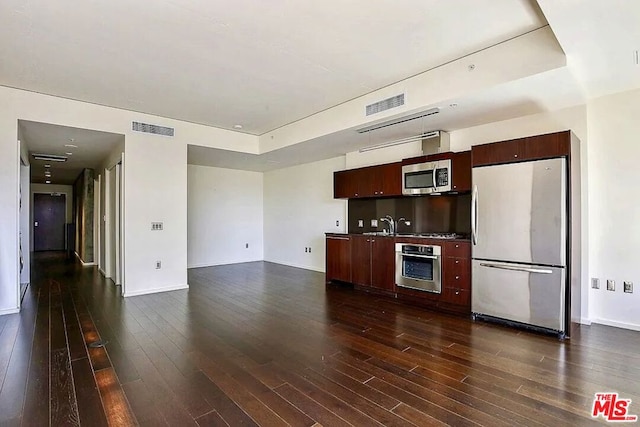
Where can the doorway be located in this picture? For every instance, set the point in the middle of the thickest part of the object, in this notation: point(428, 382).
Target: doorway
point(49, 222)
point(113, 214)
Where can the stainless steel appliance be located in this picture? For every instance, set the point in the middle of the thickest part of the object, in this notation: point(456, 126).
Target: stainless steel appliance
point(419, 267)
point(519, 236)
point(426, 178)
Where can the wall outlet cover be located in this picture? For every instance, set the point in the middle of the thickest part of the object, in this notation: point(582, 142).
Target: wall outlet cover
point(158, 265)
point(628, 287)
point(374, 222)
point(360, 223)
point(611, 285)
point(595, 283)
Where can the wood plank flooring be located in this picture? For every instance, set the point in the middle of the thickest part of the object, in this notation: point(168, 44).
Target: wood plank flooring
point(264, 344)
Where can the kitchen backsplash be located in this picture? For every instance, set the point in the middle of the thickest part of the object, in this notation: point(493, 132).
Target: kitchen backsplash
point(444, 213)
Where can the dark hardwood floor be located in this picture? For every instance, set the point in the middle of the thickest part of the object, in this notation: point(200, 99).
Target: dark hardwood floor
point(265, 344)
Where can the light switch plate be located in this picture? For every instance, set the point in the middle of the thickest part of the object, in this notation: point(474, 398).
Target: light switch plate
point(360, 223)
point(374, 222)
point(157, 226)
point(595, 283)
point(628, 287)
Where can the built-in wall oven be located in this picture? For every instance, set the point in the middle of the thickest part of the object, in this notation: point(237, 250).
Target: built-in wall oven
point(419, 267)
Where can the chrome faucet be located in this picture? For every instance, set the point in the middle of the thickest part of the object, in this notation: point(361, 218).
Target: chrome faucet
point(392, 223)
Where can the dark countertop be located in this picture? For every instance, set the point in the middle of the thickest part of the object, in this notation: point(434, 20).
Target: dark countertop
point(400, 236)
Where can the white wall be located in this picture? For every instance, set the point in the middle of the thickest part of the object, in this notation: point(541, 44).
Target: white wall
point(614, 205)
point(155, 185)
point(224, 214)
point(298, 209)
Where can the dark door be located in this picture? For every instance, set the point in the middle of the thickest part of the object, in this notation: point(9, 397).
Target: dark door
point(48, 222)
point(383, 270)
point(361, 260)
point(338, 258)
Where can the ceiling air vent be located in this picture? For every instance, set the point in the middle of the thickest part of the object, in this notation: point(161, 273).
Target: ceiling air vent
point(385, 104)
point(154, 129)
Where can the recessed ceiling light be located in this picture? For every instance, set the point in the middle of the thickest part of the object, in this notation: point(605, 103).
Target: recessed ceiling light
point(69, 154)
point(237, 126)
point(70, 145)
point(47, 182)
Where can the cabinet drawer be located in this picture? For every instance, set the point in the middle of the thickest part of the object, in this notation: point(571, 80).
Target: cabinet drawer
point(457, 273)
point(456, 296)
point(458, 249)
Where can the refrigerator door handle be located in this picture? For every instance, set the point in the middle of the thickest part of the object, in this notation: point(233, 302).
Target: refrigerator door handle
point(515, 268)
point(474, 215)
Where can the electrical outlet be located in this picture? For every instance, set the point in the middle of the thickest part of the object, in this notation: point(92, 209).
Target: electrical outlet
point(309, 249)
point(595, 283)
point(305, 250)
point(374, 222)
point(337, 223)
point(628, 287)
point(246, 246)
point(158, 265)
point(157, 226)
point(360, 223)
point(611, 285)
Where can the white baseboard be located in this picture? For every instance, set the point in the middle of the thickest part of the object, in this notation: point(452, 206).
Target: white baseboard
point(9, 311)
point(155, 290)
point(616, 324)
point(304, 267)
point(84, 264)
point(584, 321)
point(209, 264)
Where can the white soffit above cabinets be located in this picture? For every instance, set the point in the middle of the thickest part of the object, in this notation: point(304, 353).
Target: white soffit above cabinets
point(250, 62)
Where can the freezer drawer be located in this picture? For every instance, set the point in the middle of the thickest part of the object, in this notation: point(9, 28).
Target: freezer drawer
point(529, 294)
point(519, 212)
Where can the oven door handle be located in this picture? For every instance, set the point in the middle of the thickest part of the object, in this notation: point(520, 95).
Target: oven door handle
point(419, 256)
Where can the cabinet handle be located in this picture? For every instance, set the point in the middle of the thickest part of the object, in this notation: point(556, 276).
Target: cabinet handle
point(457, 261)
point(457, 292)
point(515, 155)
point(382, 192)
point(457, 277)
point(375, 192)
point(373, 240)
point(367, 240)
point(457, 246)
point(455, 186)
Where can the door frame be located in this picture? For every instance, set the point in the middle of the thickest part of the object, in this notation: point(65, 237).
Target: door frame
point(114, 228)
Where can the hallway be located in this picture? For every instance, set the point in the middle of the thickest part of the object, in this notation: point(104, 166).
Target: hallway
point(261, 343)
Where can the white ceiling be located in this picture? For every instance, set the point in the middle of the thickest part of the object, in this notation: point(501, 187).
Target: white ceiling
point(261, 64)
point(93, 148)
point(267, 64)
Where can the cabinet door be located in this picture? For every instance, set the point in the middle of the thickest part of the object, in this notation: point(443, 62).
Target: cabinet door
point(344, 184)
point(389, 180)
point(338, 258)
point(361, 260)
point(457, 273)
point(461, 171)
point(383, 266)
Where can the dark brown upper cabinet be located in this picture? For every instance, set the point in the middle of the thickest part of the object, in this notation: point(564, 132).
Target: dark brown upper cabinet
point(461, 171)
point(372, 181)
point(523, 149)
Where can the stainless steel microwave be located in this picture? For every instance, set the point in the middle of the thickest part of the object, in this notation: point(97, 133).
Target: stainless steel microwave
point(426, 178)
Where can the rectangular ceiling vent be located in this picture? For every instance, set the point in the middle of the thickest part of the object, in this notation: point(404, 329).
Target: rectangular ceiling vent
point(404, 119)
point(385, 104)
point(154, 129)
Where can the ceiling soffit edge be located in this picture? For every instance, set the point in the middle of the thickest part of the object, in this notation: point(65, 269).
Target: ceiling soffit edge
point(532, 53)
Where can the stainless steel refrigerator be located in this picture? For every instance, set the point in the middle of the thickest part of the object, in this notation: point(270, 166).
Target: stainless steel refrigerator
point(519, 251)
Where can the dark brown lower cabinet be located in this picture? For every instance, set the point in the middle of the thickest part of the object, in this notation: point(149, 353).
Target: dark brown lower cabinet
point(369, 262)
point(373, 262)
point(338, 251)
